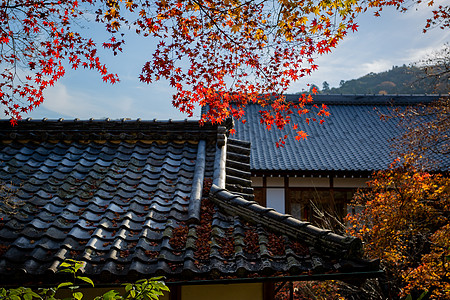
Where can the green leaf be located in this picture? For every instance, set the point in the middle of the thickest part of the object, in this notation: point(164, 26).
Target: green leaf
point(65, 270)
point(78, 265)
point(27, 297)
point(165, 288)
point(34, 294)
point(128, 287)
point(422, 295)
point(86, 279)
point(15, 292)
point(47, 293)
point(78, 295)
point(111, 295)
point(158, 278)
point(160, 285)
point(65, 264)
point(64, 284)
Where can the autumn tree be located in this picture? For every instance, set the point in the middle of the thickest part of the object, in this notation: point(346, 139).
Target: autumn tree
point(406, 223)
point(436, 69)
point(406, 215)
point(214, 53)
point(426, 128)
point(426, 132)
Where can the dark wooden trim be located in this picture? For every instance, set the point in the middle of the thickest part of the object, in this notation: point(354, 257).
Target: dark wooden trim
point(309, 173)
point(268, 290)
point(175, 292)
point(264, 178)
point(291, 290)
point(331, 184)
point(287, 202)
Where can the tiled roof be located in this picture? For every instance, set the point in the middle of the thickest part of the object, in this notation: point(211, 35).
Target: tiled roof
point(353, 139)
point(132, 200)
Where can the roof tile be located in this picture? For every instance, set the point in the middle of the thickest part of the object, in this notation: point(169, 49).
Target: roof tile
point(352, 139)
point(122, 204)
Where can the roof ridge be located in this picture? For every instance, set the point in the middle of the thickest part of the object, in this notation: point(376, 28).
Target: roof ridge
point(322, 240)
point(197, 183)
point(99, 120)
point(370, 99)
point(108, 130)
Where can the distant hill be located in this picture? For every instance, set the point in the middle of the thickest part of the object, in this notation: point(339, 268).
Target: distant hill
point(398, 80)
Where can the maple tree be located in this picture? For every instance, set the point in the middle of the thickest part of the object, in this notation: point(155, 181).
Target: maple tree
point(406, 223)
point(219, 54)
point(406, 216)
point(436, 66)
point(426, 131)
point(426, 127)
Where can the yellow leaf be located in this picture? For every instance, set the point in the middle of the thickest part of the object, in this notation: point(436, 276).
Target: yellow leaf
point(302, 20)
point(129, 4)
point(115, 25)
point(235, 28)
point(316, 10)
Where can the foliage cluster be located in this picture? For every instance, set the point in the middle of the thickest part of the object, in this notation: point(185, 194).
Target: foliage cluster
point(145, 289)
point(217, 54)
point(406, 223)
point(426, 131)
point(437, 68)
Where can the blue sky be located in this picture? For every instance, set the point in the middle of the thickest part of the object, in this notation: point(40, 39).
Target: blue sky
point(380, 43)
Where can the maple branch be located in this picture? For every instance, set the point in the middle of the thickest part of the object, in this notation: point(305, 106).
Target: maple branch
point(230, 38)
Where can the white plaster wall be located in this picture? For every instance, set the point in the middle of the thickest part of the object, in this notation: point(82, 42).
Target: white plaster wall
point(275, 181)
point(275, 199)
point(257, 181)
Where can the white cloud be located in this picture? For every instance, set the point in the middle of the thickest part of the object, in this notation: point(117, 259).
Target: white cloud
point(71, 103)
point(393, 39)
point(376, 66)
point(418, 54)
point(75, 97)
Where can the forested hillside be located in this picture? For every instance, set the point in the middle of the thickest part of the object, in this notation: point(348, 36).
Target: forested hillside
point(398, 80)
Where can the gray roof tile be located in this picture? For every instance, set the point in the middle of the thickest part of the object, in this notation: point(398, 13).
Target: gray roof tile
point(352, 139)
point(123, 205)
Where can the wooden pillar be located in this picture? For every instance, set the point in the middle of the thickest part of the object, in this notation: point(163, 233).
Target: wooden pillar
point(264, 178)
point(287, 201)
point(291, 290)
point(268, 291)
point(175, 292)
